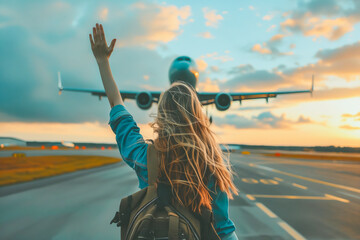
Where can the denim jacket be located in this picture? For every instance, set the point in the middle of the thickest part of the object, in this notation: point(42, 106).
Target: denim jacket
point(133, 150)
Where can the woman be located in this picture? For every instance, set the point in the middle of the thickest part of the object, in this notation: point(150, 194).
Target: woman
point(190, 159)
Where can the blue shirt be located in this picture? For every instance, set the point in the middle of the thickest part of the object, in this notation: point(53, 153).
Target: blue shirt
point(133, 150)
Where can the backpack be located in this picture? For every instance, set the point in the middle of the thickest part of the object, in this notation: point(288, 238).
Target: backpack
point(149, 214)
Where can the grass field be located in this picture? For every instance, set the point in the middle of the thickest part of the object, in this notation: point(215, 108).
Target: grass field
point(15, 170)
point(45, 148)
point(314, 157)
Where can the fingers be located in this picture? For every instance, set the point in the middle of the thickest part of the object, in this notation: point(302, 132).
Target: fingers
point(91, 41)
point(102, 34)
point(98, 31)
point(96, 39)
point(112, 45)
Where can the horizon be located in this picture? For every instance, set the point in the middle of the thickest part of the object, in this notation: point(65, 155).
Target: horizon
point(256, 145)
point(274, 46)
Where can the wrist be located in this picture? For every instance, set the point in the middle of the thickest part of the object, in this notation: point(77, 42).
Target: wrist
point(102, 60)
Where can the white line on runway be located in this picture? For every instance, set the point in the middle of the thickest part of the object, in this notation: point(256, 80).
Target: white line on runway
point(250, 197)
point(337, 198)
point(263, 167)
point(291, 231)
point(312, 179)
point(282, 224)
point(266, 210)
point(350, 195)
point(299, 186)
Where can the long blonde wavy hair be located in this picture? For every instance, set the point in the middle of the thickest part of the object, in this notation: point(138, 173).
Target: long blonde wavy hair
point(188, 149)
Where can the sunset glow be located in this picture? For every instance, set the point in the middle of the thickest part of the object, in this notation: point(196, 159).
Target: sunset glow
point(238, 46)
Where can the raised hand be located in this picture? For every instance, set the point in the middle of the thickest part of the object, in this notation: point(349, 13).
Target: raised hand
point(99, 46)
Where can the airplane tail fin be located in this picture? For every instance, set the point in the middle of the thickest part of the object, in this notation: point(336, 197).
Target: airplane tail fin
point(60, 86)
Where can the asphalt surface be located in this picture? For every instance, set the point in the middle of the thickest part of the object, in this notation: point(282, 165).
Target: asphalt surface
point(279, 199)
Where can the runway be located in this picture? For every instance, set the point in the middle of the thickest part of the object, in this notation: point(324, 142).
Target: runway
point(279, 199)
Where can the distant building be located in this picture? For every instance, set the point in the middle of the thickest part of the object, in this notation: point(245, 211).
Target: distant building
point(9, 141)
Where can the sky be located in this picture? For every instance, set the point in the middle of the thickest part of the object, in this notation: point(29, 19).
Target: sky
point(239, 46)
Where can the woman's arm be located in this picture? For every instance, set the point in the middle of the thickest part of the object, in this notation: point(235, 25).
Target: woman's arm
point(102, 53)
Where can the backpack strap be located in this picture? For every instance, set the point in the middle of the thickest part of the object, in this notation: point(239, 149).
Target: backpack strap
point(207, 224)
point(173, 226)
point(152, 164)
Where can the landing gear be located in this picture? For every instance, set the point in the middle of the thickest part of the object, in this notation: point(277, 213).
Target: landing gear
point(210, 118)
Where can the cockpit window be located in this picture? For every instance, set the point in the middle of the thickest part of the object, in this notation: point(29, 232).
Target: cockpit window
point(183, 59)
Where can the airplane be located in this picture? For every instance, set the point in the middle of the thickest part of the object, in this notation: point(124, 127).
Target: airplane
point(183, 68)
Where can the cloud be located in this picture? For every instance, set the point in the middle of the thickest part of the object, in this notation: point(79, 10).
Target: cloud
point(271, 28)
point(251, 7)
point(150, 24)
point(265, 120)
point(212, 19)
point(310, 25)
point(208, 86)
point(348, 127)
point(268, 17)
point(317, 18)
point(205, 35)
point(342, 62)
point(314, 18)
point(348, 115)
point(321, 95)
point(201, 64)
point(31, 94)
point(271, 47)
point(103, 14)
point(277, 37)
point(246, 77)
point(242, 69)
point(214, 69)
point(262, 50)
point(216, 56)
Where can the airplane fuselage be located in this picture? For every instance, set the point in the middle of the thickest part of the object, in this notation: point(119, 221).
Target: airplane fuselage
point(183, 68)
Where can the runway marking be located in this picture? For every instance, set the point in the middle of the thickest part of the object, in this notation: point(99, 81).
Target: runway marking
point(291, 231)
point(350, 195)
point(313, 180)
point(282, 224)
point(250, 180)
point(266, 210)
point(269, 181)
point(299, 186)
point(250, 197)
point(337, 198)
point(326, 197)
point(264, 181)
point(291, 197)
point(279, 179)
point(263, 167)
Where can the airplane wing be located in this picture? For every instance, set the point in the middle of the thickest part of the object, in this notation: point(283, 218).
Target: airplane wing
point(209, 98)
point(101, 93)
point(206, 98)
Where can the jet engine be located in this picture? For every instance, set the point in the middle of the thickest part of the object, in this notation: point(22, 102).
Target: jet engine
point(144, 100)
point(223, 101)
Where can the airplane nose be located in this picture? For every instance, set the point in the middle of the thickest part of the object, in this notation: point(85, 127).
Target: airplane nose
point(183, 65)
